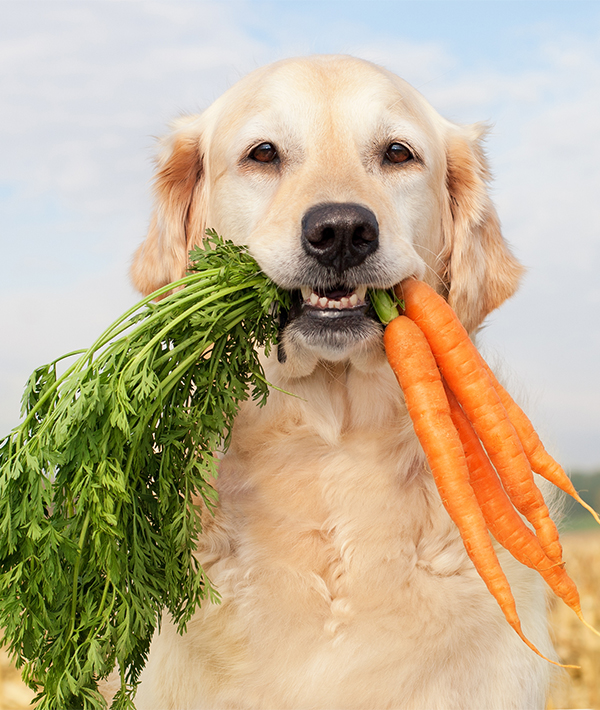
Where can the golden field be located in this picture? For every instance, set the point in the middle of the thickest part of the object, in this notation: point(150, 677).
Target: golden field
point(575, 644)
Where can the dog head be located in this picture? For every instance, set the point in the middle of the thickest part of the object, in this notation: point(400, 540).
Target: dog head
point(338, 176)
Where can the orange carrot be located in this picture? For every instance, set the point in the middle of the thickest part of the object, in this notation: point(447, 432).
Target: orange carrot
point(414, 365)
point(459, 363)
point(502, 519)
point(540, 460)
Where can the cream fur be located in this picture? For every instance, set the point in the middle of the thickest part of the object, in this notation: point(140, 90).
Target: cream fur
point(344, 583)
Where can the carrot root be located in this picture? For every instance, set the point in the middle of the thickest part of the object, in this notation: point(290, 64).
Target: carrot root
point(541, 655)
point(590, 627)
point(587, 507)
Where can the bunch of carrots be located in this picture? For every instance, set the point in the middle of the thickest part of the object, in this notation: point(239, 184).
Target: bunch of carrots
point(481, 448)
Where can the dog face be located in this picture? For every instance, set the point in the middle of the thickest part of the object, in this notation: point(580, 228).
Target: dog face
point(338, 176)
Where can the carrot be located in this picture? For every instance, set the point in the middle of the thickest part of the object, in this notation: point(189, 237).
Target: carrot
point(414, 365)
point(459, 363)
point(502, 519)
point(540, 460)
point(496, 507)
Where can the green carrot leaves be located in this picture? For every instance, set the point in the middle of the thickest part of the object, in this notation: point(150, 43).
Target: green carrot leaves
point(99, 484)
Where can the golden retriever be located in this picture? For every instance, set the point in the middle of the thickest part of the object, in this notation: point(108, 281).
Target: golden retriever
point(344, 583)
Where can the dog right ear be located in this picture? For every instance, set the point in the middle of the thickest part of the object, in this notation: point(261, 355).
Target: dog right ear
point(481, 270)
point(178, 221)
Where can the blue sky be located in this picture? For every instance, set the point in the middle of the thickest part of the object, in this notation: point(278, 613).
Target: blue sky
point(492, 32)
point(85, 87)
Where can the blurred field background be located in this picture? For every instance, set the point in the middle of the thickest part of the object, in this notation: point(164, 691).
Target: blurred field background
point(575, 644)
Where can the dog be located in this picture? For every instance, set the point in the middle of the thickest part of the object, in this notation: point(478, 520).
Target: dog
point(344, 584)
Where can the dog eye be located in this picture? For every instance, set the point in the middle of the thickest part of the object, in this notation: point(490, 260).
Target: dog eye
point(398, 153)
point(264, 153)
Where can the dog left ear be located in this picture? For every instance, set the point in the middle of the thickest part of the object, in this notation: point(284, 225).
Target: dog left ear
point(179, 211)
point(481, 271)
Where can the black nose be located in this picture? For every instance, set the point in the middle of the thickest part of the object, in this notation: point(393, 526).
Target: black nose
point(340, 235)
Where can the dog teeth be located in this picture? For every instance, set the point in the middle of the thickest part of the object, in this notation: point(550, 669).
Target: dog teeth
point(361, 292)
point(313, 299)
point(307, 293)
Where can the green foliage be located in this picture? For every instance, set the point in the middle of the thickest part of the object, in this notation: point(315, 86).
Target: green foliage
point(386, 304)
point(97, 484)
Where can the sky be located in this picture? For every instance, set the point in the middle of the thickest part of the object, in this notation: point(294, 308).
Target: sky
point(87, 87)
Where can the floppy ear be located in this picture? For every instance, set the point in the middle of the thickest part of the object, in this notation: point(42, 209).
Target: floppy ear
point(178, 219)
point(481, 271)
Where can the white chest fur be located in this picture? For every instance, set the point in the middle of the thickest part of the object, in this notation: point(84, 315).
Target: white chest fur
point(344, 584)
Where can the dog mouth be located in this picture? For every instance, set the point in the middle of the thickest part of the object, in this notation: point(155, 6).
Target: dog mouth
point(331, 320)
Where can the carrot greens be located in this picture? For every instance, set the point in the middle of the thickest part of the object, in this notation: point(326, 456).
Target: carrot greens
point(99, 484)
point(385, 304)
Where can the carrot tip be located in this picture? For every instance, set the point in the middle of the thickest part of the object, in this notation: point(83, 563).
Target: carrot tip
point(517, 628)
point(588, 507)
point(541, 655)
point(590, 627)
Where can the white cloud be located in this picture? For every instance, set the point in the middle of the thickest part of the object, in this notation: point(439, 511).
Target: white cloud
point(90, 83)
